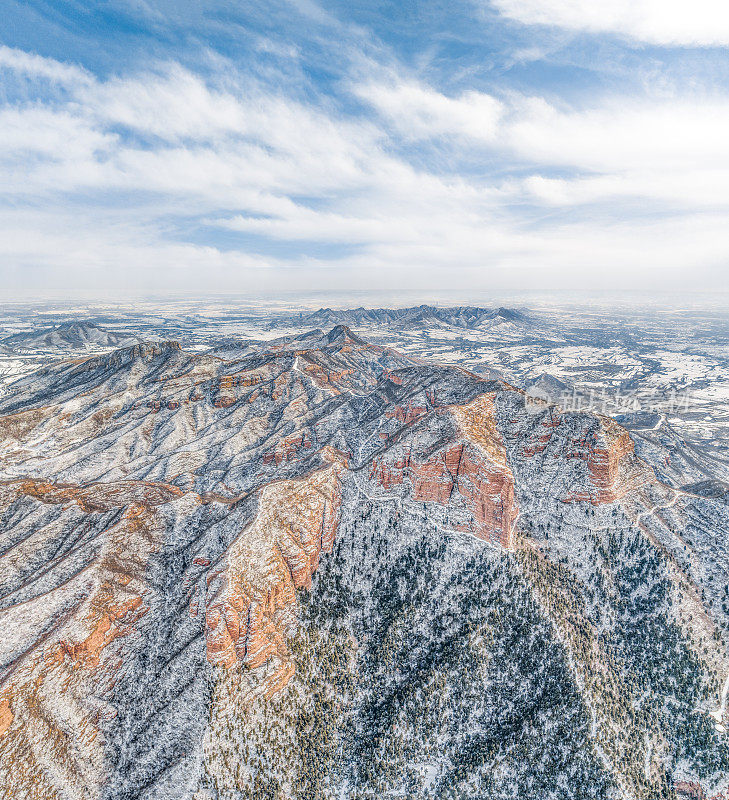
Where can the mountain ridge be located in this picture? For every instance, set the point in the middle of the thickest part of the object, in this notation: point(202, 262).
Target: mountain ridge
point(458, 316)
point(68, 335)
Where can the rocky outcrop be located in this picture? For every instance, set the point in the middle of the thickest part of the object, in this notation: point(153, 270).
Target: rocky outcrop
point(288, 448)
point(92, 497)
point(325, 376)
point(250, 596)
point(691, 790)
point(612, 466)
point(473, 471)
point(407, 414)
point(144, 351)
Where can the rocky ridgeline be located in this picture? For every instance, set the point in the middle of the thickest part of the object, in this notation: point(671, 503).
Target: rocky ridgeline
point(152, 564)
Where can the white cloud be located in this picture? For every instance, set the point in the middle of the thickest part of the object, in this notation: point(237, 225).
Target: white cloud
point(667, 152)
point(48, 253)
point(88, 204)
point(695, 190)
point(44, 133)
point(34, 66)
point(174, 105)
point(420, 112)
point(620, 134)
point(661, 22)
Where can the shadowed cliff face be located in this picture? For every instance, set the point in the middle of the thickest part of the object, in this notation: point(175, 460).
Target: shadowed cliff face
point(161, 514)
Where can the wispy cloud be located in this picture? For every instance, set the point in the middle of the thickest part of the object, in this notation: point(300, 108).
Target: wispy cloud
point(418, 112)
point(34, 66)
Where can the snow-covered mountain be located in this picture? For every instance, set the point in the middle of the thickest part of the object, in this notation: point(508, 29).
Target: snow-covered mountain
point(69, 336)
point(458, 316)
point(319, 568)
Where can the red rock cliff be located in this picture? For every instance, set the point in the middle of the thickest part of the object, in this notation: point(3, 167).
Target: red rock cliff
point(473, 469)
point(250, 597)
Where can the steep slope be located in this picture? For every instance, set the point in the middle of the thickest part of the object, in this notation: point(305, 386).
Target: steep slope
point(317, 568)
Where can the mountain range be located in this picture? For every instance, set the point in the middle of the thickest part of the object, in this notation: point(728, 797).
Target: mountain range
point(315, 567)
point(417, 316)
point(69, 335)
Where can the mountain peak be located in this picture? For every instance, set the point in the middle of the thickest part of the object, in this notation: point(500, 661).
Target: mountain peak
point(343, 333)
point(70, 335)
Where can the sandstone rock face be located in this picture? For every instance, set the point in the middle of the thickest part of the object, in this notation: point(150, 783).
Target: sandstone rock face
point(165, 520)
point(610, 458)
point(251, 593)
point(475, 470)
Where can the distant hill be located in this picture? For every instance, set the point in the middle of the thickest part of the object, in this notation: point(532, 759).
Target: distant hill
point(457, 316)
point(552, 387)
point(69, 335)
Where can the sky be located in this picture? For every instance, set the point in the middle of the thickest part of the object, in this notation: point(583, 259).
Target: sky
point(178, 148)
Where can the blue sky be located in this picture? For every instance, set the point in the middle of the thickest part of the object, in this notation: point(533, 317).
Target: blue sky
point(173, 147)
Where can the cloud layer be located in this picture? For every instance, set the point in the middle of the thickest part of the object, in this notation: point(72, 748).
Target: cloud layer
point(217, 177)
